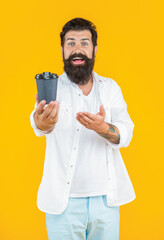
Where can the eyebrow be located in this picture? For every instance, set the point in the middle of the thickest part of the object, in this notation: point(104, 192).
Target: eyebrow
point(85, 39)
point(80, 39)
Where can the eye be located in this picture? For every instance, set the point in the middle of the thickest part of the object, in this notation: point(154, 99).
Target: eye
point(84, 43)
point(71, 44)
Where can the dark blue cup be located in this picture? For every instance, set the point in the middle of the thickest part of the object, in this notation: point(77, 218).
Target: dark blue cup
point(47, 86)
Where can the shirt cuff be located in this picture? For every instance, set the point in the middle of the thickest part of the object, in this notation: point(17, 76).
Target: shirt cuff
point(37, 131)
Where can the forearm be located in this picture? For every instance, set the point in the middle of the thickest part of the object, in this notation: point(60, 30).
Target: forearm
point(110, 133)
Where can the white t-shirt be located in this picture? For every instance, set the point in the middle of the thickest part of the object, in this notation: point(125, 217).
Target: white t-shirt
point(90, 176)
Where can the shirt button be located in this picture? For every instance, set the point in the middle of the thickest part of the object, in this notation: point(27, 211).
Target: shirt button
point(71, 166)
point(68, 182)
point(77, 129)
point(79, 94)
point(74, 148)
point(109, 178)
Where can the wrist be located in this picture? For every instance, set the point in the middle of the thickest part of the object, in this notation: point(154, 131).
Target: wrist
point(45, 128)
point(104, 127)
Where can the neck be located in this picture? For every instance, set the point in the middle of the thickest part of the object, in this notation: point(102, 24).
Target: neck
point(86, 88)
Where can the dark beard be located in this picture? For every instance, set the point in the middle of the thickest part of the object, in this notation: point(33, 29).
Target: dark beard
point(79, 74)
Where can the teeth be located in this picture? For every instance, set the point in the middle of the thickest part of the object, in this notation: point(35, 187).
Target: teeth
point(77, 59)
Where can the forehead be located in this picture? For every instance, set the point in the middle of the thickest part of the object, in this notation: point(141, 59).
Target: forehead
point(78, 34)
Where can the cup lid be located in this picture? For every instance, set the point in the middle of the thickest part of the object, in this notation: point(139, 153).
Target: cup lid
point(46, 75)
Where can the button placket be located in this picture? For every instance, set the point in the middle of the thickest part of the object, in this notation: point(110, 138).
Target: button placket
point(74, 149)
point(73, 157)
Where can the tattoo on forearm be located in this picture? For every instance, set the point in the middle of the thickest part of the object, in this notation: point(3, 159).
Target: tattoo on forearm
point(112, 134)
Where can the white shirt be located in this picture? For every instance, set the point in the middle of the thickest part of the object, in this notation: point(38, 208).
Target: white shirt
point(63, 144)
point(90, 175)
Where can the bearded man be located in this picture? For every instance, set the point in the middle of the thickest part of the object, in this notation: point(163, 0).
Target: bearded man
point(85, 180)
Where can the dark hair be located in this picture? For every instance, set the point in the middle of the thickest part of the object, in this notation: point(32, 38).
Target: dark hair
point(78, 24)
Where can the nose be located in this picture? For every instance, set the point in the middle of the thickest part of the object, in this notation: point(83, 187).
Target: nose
point(78, 49)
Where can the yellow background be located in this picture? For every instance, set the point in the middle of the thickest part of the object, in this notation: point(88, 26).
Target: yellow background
point(130, 50)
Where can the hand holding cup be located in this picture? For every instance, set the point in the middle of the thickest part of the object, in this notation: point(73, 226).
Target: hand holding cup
point(46, 117)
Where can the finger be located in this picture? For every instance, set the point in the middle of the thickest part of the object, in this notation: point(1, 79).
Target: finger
point(86, 118)
point(102, 111)
point(54, 112)
point(78, 119)
point(90, 116)
point(37, 99)
point(79, 113)
point(81, 120)
point(48, 109)
point(40, 107)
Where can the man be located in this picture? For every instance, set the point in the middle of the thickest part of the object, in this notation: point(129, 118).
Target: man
point(85, 180)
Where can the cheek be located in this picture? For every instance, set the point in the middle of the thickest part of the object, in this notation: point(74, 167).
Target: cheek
point(66, 54)
point(90, 52)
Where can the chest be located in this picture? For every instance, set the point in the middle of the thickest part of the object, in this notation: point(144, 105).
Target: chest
point(72, 100)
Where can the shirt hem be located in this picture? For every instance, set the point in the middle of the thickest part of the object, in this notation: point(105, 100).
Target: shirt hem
point(119, 203)
point(88, 194)
point(122, 202)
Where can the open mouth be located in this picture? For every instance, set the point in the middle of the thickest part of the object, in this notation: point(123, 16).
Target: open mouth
point(77, 60)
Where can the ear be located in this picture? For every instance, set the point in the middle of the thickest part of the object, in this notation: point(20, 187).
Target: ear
point(62, 50)
point(95, 50)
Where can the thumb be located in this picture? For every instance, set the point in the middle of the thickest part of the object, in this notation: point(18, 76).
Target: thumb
point(102, 111)
point(37, 99)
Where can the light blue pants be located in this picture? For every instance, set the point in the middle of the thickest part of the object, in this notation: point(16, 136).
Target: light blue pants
point(85, 218)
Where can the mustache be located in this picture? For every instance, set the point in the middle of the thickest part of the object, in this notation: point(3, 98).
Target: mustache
point(80, 55)
point(79, 74)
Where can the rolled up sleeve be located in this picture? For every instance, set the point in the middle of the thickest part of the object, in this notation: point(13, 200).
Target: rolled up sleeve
point(120, 117)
